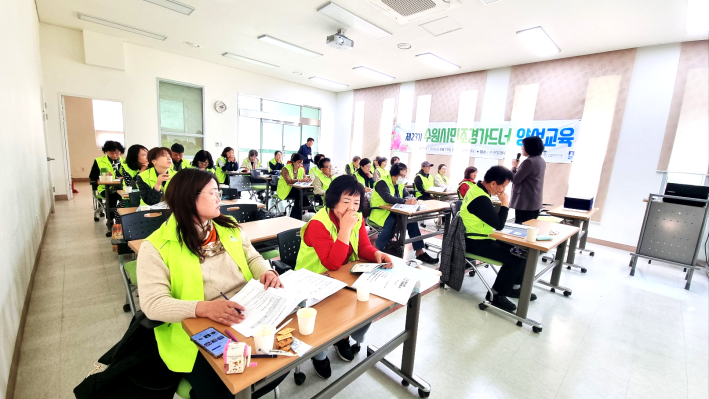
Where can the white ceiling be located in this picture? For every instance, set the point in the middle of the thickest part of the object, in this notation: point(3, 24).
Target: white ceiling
point(487, 38)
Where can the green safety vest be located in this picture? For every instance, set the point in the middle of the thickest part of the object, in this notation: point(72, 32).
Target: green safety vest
point(473, 224)
point(221, 175)
point(382, 172)
point(283, 188)
point(427, 183)
point(326, 181)
point(444, 178)
point(308, 258)
point(105, 164)
point(183, 165)
point(246, 164)
point(360, 179)
point(379, 216)
point(186, 283)
point(128, 170)
point(470, 185)
point(353, 169)
point(150, 177)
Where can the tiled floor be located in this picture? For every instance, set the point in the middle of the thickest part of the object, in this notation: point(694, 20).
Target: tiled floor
point(616, 337)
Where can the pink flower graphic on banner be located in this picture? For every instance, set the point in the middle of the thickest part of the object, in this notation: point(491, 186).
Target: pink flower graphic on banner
point(397, 144)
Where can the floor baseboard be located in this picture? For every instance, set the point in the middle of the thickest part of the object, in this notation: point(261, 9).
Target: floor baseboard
point(15, 363)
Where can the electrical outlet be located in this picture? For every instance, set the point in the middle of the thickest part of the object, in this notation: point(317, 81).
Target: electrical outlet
point(218, 144)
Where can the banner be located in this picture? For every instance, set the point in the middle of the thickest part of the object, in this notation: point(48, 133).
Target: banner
point(488, 140)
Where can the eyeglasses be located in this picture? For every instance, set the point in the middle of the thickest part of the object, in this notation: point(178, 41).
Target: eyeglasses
point(216, 194)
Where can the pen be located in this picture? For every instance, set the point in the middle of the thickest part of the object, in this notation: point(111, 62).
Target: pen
point(268, 356)
point(231, 336)
point(225, 297)
point(347, 287)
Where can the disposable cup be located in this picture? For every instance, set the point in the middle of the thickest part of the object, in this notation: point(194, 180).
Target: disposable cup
point(306, 320)
point(263, 338)
point(532, 234)
point(128, 189)
point(363, 292)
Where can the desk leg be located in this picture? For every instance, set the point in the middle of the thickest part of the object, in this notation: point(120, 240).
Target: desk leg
point(556, 272)
point(401, 240)
point(300, 199)
point(406, 372)
point(582, 244)
point(245, 394)
point(572, 248)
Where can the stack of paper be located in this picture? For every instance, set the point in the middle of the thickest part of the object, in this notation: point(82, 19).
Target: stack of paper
point(309, 286)
point(398, 283)
point(159, 205)
point(303, 184)
point(406, 208)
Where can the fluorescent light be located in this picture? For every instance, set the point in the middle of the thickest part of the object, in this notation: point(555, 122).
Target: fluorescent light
point(173, 5)
point(437, 61)
point(126, 28)
point(286, 45)
point(339, 14)
point(330, 83)
point(537, 40)
point(697, 16)
point(486, 2)
point(250, 60)
point(372, 73)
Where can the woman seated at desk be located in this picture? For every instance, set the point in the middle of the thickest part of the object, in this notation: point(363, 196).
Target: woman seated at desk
point(136, 162)
point(322, 177)
point(203, 161)
point(288, 178)
point(153, 182)
point(226, 163)
point(251, 162)
point(390, 190)
point(441, 180)
point(335, 236)
point(380, 168)
point(276, 164)
point(364, 174)
point(185, 265)
point(471, 172)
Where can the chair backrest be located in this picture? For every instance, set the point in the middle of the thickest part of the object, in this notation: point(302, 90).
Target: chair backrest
point(258, 173)
point(241, 212)
point(274, 180)
point(240, 182)
point(289, 246)
point(455, 207)
point(139, 225)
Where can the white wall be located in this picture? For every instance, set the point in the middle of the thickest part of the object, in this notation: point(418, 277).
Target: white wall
point(66, 73)
point(25, 199)
point(340, 154)
point(634, 173)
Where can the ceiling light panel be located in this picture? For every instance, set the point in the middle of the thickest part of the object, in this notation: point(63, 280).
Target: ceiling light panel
point(697, 16)
point(329, 83)
point(372, 73)
point(174, 6)
point(437, 62)
point(537, 40)
point(486, 2)
point(249, 60)
point(288, 46)
point(441, 26)
point(341, 15)
point(126, 28)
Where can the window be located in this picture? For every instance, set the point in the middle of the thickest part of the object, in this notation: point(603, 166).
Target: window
point(269, 126)
point(181, 115)
point(108, 121)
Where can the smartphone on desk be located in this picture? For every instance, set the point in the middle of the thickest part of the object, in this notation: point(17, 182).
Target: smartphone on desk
point(211, 340)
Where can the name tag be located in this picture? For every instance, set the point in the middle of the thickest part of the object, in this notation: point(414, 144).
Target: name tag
point(234, 239)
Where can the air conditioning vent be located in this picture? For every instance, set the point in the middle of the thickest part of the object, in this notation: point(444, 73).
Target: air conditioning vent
point(409, 7)
point(405, 11)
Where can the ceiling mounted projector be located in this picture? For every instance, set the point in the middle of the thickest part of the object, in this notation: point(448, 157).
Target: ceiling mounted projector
point(340, 41)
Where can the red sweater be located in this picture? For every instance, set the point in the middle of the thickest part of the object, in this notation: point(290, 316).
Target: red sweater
point(464, 187)
point(334, 254)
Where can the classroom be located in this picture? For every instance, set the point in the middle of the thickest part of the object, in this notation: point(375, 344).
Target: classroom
point(479, 199)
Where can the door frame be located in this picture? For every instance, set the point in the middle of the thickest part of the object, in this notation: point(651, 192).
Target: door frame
point(65, 134)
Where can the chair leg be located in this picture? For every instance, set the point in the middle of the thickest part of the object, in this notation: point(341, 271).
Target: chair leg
point(482, 279)
point(276, 393)
point(129, 291)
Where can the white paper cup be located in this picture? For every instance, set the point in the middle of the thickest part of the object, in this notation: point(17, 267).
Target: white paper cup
point(103, 178)
point(363, 292)
point(263, 338)
point(532, 234)
point(128, 189)
point(306, 320)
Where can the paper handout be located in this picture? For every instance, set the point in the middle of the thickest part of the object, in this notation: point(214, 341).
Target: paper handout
point(263, 306)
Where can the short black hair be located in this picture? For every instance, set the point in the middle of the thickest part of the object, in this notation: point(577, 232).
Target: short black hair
point(468, 171)
point(344, 185)
point(253, 153)
point(225, 150)
point(440, 166)
point(356, 158)
point(295, 157)
point(276, 153)
point(111, 145)
point(203, 156)
point(176, 148)
point(322, 161)
point(309, 139)
point(397, 168)
point(380, 160)
point(395, 159)
point(132, 156)
point(364, 162)
point(498, 174)
point(533, 145)
point(317, 158)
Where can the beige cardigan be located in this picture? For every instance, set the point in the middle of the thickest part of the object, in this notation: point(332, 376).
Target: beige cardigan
point(219, 274)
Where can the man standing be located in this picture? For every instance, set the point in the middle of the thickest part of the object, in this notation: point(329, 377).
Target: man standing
point(306, 152)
